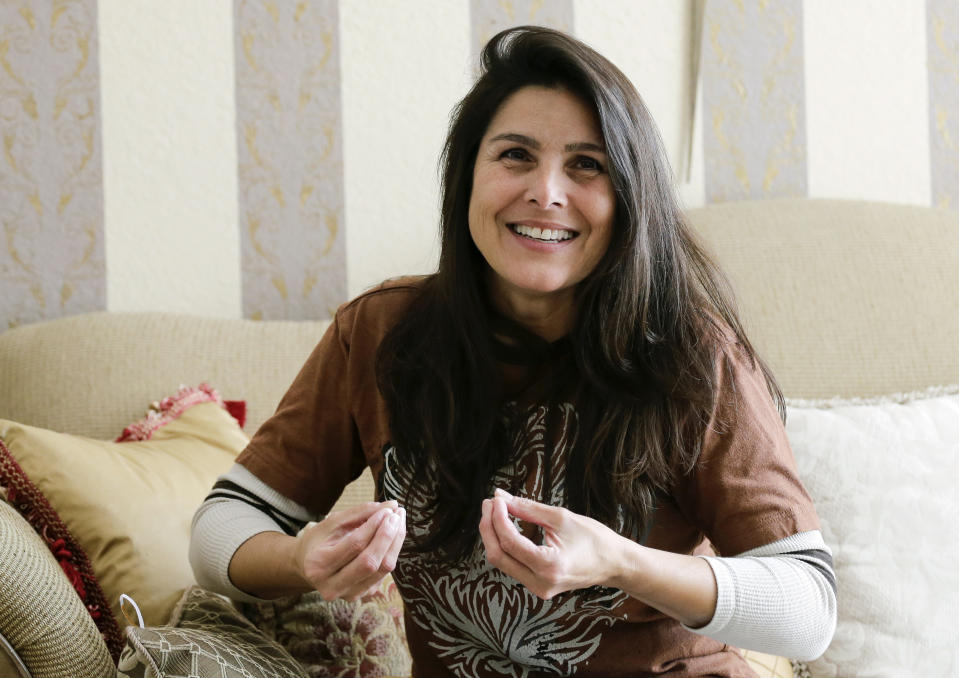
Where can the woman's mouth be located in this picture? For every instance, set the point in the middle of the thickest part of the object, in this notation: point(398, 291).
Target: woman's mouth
point(542, 234)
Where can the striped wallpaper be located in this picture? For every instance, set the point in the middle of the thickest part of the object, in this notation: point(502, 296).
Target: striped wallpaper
point(271, 159)
point(290, 141)
point(753, 90)
point(942, 22)
point(51, 198)
point(489, 18)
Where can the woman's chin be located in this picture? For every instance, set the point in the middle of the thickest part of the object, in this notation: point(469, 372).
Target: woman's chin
point(538, 288)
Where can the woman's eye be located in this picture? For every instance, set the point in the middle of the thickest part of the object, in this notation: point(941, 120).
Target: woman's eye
point(588, 164)
point(515, 154)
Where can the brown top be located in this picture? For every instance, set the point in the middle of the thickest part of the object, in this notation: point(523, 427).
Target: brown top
point(472, 620)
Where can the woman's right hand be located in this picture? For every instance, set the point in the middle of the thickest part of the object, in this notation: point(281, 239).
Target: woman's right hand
point(350, 551)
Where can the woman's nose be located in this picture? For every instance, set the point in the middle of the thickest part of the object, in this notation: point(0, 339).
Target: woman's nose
point(546, 187)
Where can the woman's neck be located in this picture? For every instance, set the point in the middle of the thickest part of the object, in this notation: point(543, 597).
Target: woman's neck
point(549, 316)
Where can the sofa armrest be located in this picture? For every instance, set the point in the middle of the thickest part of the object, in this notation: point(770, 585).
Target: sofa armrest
point(42, 618)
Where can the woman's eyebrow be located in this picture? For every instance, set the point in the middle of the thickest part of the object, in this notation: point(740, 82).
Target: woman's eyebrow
point(518, 138)
point(584, 146)
point(532, 143)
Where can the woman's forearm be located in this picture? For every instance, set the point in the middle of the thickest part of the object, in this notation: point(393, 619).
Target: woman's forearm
point(680, 586)
point(265, 566)
point(242, 543)
point(779, 598)
point(342, 556)
point(578, 551)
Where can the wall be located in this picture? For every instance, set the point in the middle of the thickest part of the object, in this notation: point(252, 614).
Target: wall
point(268, 159)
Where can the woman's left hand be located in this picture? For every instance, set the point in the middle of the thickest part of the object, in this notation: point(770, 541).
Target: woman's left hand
point(577, 551)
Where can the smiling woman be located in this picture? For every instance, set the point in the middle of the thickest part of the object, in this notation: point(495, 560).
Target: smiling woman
point(541, 212)
point(566, 421)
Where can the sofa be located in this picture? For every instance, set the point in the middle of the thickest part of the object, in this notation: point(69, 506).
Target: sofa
point(854, 305)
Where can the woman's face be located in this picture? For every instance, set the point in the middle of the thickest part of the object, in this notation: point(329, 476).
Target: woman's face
point(542, 206)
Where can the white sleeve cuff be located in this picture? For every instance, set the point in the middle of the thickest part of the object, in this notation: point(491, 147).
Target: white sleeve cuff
point(774, 602)
point(220, 527)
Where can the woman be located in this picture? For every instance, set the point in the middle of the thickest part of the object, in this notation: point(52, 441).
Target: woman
point(566, 421)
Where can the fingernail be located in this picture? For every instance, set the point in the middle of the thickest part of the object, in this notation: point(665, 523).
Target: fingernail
point(502, 493)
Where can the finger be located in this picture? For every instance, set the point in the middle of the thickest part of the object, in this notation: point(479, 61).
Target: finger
point(490, 531)
point(366, 565)
point(549, 517)
point(502, 524)
point(512, 541)
point(339, 553)
point(357, 515)
point(497, 556)
point(487, 534)
point(494, 552)
point(393, 553)
point(371, 584)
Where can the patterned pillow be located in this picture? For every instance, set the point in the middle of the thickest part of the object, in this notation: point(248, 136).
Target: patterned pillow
point(338, 638)
point(768, 665)
point(128, 505)
point(207, 637)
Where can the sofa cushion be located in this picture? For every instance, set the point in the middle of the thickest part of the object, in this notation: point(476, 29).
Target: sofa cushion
point(206, 638)
point(129, 505)
point(363, 638)
point(883, 475)
point(842, 297)
point(41, 617)
point(115, 363)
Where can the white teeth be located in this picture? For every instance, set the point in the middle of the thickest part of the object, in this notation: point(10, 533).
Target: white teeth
point(546, 234)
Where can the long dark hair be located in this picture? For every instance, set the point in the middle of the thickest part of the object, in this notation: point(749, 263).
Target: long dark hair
point(645, 344)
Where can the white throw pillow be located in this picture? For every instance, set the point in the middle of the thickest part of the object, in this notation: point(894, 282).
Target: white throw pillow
point(884, 474)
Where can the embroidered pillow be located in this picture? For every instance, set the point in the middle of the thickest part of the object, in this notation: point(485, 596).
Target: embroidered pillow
point(129, 505)
point(883, 475)
point(768, 665)
point(207, 638)
point(361, 639)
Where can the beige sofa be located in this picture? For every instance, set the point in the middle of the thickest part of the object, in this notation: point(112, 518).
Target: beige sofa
point(843, 299)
